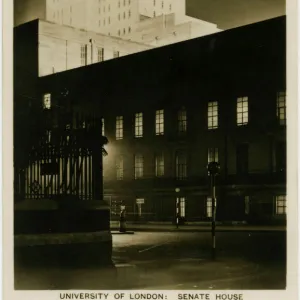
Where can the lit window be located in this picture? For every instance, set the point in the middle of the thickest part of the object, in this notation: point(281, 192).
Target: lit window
point(139, 202)
point(119, 128)
point(83, 55)
point(180, 207)
point(281, 107)
point(100, 54)
point(138, 125)
point(116, 53)
point(47, 101)
point(280, 205)
point(103, 126)
point(182, 121)
point(138, 166)
point(242, 111)
point(120, 167)
point(247, 205)
point(181, 166)
point(209, 207)
point(48, 136)
point(159, 165)
point(213, 155)
point(159, 122)
point(212, 115)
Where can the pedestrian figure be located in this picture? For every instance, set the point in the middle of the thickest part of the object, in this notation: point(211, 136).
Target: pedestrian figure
point(123, 219)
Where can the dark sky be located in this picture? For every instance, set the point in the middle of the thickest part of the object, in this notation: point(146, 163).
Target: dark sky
point(233, 13)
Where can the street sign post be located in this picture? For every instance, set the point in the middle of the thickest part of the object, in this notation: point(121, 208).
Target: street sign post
point(213, 170)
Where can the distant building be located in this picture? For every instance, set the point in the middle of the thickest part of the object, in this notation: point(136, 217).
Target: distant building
point(168, 112)
point(157, 22)
point(60, 48)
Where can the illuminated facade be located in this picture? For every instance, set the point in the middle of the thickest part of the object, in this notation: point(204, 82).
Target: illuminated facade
point(217, 98)
point(158, 23)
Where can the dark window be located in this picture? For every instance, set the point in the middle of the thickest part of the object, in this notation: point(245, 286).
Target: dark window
point(281, 157)
point(181, 165)
point(242, 159)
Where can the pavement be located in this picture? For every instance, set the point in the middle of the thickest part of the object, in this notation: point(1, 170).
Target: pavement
point(176, 260)
point(182, 260)
point(201, 227)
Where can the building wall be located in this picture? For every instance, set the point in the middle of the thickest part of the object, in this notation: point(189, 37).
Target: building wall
point(154, 8)
point(60, 47)
point(64, 12)
point(163, 30)
point(120, 18)
point(243, 62)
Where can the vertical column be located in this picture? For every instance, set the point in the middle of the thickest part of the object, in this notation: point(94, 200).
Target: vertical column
point(97, 161)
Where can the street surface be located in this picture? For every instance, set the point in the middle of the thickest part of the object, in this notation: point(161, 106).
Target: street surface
point(177, 260)
point(182, 260)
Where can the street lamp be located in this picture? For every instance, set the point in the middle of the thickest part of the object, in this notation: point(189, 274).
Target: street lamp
point(213, 170)
point(177, 190)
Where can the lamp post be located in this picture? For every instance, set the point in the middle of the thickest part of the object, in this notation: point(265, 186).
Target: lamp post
point(177, 190)
point(213, 170)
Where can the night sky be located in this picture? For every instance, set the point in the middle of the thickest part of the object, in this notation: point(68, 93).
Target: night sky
point(233, 13)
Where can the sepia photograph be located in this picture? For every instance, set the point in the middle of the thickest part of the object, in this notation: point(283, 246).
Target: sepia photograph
point(150, 147)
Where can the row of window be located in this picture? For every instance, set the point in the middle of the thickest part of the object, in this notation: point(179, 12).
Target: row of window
point(124, 3)
point(181, 160)
point(100, 54)
point(104, 7)
point(162, 4)
point(212, 109)
point(280, 206)
point(124, 31)
point(212, 117)
point(181, 164)
point(124, 15)
point(119, 3)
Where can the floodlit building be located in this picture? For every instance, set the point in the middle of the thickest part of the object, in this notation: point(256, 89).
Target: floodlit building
point(157, 22)
point(169, 111)
point(57, 48)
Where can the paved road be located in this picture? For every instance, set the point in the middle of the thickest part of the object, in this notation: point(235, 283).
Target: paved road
point(182, 260)
point(176, 260)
